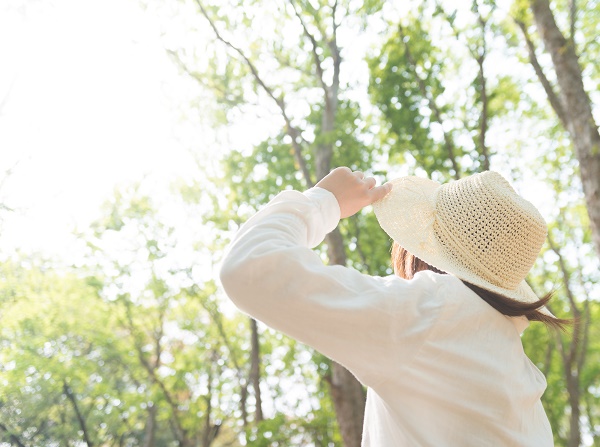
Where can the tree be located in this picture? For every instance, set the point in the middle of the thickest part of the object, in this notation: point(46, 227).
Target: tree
point(310, 141)
point(128, 355)
point(55, 386)
point(164, 315)
point(572, 104)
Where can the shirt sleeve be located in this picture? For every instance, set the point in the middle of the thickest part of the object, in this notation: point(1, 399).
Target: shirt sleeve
point(368, 324)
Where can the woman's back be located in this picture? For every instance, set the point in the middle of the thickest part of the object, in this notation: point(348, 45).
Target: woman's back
point(469, 384)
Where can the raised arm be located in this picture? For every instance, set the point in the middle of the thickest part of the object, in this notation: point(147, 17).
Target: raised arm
point(363, 322)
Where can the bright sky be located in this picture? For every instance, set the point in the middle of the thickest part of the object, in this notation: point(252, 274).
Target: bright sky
point(90, 101)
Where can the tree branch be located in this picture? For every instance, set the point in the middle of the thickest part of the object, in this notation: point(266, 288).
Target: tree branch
point(585, 337)
point(359, 250)
point(12, 436)
point(290, 129)
point(255, 369)
point(333, 14)
point(479, 57)
point(566, 276)
point(314, 46)
point(335, 52)
point(224, 95)
point(572, 22)
point(211, 430)
point(555, 102)
point(594, 433)
point(215, 317)
point(69, 393)
point(483, 120)
point(571, 359)
point(562, 350)
point(315, 15)
point(179, 431)
point(548, 359)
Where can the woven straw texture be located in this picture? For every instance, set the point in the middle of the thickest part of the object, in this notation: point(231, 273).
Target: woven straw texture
point(477, 228)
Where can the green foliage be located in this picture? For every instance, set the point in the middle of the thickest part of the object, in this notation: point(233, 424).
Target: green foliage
point(104, 354)
point(57, 337)
point(402, 85)
point(141, 333)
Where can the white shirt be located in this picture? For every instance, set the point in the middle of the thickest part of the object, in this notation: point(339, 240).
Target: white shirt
point(443, 367)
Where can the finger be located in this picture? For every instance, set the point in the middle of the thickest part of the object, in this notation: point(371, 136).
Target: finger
point(342, 168)
point(370, 182)
point(380, 192)
point(359, 174)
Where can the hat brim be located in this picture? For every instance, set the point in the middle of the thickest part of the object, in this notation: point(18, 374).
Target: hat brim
point(407, 215)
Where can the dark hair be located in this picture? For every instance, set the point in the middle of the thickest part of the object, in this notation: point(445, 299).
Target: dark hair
point(406, 265)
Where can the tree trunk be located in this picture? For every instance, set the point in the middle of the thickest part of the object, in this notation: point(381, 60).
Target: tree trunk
point(580, 122)
point(255, 370)
point(574, 425)
point(11, 436)
point(349, 401)
point(211, 431)
point(80, 418)
point(484, 116)
point(347, 392)
point(243, 399)
point(573, 358)
point(150, 429)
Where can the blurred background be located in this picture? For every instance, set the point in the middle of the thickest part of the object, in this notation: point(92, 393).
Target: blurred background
point(136, 136)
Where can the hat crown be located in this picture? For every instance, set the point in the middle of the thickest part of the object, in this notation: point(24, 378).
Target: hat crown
point(483, 225)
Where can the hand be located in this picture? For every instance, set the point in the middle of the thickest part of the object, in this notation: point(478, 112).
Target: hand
point(352, 190)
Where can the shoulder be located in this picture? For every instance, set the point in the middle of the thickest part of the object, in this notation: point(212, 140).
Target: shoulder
point(462, 307)
point(423, 296)
point(449, 288)
point(443, 286)
point(451, 294)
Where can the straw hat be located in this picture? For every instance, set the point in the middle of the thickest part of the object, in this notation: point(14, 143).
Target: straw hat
point(477, 228)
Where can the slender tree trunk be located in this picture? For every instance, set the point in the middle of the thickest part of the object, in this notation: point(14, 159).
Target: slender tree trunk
point(211, 431)
point(151, 366)
point(574, 398)
point(573, 358)
point(243, 400)
point(255, 370)
point(347, 392)
point(150, 429)
point(483, 118)
point(11, 436)
point(580, 121)
point(80, 419)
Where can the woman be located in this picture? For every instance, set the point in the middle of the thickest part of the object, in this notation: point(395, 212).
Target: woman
point(438, 344)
